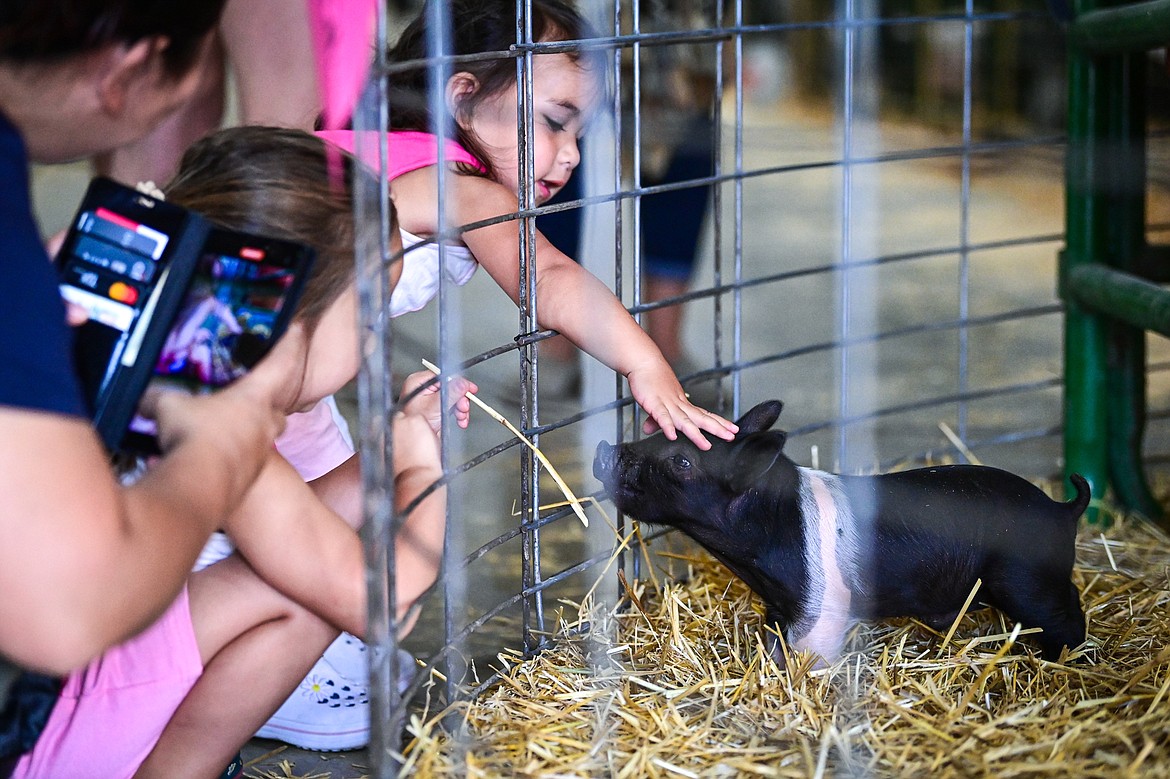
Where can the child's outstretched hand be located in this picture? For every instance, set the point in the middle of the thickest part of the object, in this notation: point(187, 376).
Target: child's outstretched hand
point(426, 403)
point(656, 389)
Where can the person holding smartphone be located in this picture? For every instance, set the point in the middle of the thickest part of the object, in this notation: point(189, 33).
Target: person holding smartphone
point(84, 562)
point(186, 693)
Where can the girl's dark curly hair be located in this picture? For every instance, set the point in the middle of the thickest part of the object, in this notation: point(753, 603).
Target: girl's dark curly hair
point(477, 27)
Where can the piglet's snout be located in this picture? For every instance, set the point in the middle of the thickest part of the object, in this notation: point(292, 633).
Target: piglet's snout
point(604, 462)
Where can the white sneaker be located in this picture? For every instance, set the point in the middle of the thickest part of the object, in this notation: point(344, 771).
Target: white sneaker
point(330, 709)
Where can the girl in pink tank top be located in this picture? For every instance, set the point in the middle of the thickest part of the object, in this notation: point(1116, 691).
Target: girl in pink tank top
point(481, 95)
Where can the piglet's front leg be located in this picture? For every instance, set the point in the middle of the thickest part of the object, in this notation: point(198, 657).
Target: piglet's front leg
point(827, 638)
point(826, 641)
point(775, 627)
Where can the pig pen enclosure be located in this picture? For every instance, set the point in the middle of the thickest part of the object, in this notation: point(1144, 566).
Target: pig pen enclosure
point(881, 252)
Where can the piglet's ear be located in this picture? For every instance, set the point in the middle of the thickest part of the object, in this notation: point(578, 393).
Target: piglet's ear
point(760, 418)
point(754, 456)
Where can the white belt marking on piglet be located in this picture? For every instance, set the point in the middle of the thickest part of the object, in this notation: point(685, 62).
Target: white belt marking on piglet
point(826, 637)
point(815, 583)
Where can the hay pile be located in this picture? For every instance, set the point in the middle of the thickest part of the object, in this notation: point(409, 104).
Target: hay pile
point(675, 686)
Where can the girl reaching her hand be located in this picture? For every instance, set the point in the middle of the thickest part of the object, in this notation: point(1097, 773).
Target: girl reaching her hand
point(481, 99)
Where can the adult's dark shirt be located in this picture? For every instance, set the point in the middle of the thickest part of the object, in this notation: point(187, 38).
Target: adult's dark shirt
point(36, 370)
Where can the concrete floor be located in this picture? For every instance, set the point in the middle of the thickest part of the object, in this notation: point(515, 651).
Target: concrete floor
point(790, 222)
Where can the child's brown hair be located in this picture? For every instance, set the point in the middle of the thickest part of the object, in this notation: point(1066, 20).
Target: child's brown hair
point(277, 182)
point(477, 27)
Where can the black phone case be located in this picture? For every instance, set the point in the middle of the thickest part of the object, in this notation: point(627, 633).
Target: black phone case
point(129, 361)
point(294, 255)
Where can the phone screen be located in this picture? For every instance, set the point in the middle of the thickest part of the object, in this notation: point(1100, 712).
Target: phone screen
point(238, 301)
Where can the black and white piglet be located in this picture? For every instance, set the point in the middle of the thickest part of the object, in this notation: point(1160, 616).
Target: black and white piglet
point(825, 550)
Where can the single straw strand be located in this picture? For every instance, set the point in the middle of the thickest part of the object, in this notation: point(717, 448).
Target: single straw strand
point(959, 616)
point(958, 443)
point(573, 499)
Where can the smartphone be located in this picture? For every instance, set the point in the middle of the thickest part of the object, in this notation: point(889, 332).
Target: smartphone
point(124, 261)
point(238, 301)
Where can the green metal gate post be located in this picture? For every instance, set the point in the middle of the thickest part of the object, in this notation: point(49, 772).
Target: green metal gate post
point(1085, 361)
point(1109, 306)
point(1127, 238)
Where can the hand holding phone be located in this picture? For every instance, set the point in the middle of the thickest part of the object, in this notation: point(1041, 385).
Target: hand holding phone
point(171, 300)
point(263, 396)
point(239, 301)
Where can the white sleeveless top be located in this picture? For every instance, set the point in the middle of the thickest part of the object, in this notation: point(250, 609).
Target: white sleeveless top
point(419, 283)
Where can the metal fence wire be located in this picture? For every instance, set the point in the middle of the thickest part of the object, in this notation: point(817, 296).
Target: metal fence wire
point(878, 251)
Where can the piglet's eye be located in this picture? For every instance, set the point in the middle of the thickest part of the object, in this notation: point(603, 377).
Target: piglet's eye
point(680, 462)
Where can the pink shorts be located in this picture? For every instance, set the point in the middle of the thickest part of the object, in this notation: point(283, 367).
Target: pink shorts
point(111, 713)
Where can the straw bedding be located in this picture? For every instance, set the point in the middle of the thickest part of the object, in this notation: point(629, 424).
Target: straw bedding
point(675, 685)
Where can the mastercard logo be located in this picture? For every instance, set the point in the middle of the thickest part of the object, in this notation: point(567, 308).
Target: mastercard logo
point(123, 293)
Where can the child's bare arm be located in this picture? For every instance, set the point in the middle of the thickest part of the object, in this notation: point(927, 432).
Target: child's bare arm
point(418, 544)
point(341, 490)
point(285, 522)
point(574, 302)
point(301, 547)
point(283, 526)
point(93, 538)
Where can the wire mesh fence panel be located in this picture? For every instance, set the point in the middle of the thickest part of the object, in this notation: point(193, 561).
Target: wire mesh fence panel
point(853, 207)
